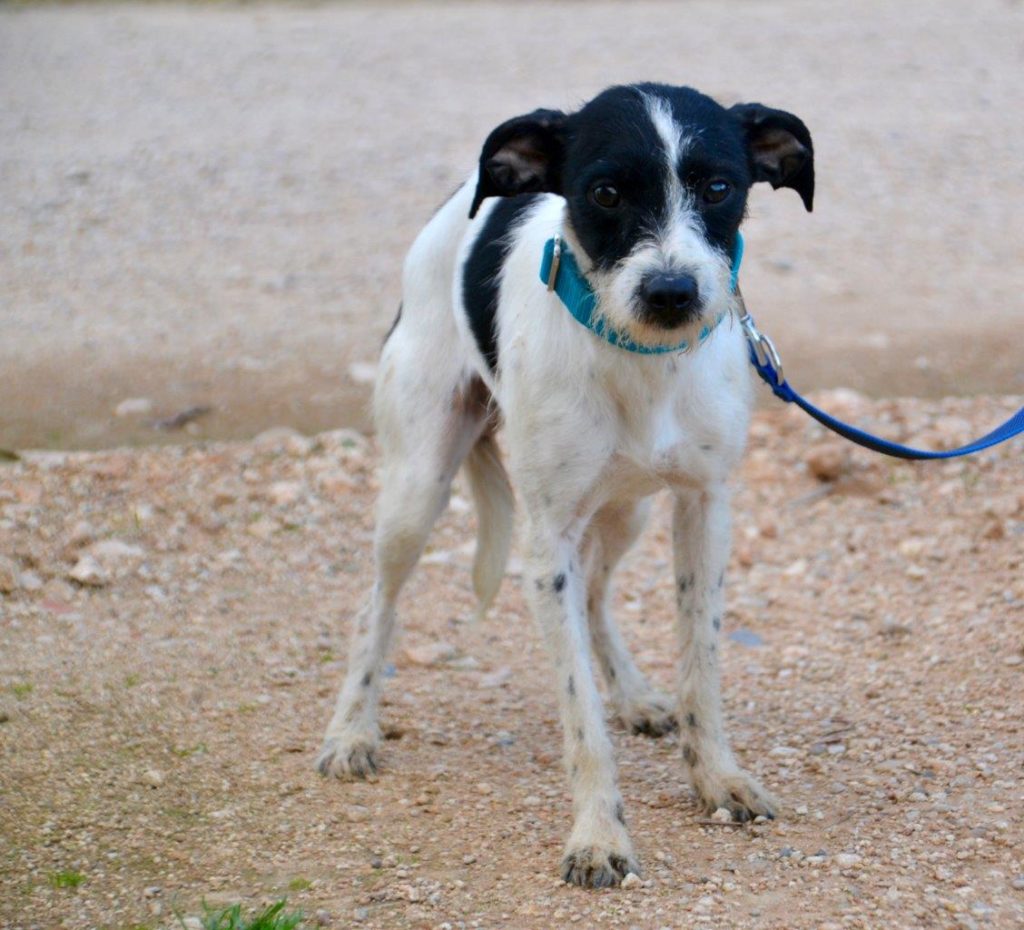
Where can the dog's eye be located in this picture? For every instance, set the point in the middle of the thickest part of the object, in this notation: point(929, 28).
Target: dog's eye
point(716, 191)
point(605, 196)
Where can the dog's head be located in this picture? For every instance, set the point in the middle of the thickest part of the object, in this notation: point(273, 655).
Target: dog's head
point(656, 181)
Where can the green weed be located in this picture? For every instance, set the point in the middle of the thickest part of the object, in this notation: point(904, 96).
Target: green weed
point(230, 918)
point(65, 879)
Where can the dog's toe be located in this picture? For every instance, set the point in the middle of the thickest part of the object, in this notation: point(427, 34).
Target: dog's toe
point(739, 793)
point(590, 867)
point(652, 717)
point(345, 758)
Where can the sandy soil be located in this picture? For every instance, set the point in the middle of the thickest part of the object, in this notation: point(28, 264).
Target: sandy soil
point(209, 204)
point(160, 715)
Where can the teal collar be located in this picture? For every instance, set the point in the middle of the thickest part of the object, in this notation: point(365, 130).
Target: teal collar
point(560, 272)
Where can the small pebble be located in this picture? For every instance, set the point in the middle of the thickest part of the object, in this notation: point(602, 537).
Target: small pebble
point(8, 575)
point(632, 880)
point(827, 460)
point(87, 571)
point(134, 407)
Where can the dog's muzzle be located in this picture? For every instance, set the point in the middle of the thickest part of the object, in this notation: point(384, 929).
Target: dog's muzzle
point(669, 300)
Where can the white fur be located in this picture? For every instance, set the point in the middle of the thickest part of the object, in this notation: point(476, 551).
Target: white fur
point(592, 431)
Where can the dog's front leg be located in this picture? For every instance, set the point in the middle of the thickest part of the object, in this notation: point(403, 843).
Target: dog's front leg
point(701, 543)
point(599, 852)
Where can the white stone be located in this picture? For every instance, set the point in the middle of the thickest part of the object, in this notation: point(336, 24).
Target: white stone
point(30, 581)
point(134, 407)
point(111, 552)
point(89, 572)
point(632, 880)
point(430, 653)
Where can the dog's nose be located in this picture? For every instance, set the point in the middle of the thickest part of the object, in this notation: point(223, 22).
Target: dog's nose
point(670, 299)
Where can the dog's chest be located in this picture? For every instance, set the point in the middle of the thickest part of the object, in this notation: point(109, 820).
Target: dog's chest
point(678, 431)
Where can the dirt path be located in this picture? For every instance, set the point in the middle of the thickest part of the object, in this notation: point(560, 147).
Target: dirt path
point(209, 204)
point(159, 717)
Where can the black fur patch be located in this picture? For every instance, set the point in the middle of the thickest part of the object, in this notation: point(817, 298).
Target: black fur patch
point(612, 140)
point(482, 270)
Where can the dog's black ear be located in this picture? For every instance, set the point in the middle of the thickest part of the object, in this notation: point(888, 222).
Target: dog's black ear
point(521, 156)
point(780, 148)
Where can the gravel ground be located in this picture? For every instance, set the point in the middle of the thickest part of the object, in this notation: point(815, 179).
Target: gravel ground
point(173, 627)
point(208, 204)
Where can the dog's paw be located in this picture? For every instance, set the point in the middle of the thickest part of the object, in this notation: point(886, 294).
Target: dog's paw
point(736, 791)
point(348, 757)
point(595, 867)
point(653, 715)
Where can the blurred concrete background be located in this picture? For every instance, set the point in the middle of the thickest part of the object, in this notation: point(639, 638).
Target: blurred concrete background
point(208, 205)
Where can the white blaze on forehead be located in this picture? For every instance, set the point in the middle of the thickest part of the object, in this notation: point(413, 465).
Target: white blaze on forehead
point(673, 141)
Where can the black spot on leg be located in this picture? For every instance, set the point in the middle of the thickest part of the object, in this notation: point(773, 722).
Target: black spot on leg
point(539, 584)
point(559, 582)
point(367, 678)
point(572, 687)
point(717, 622)
point(691, 720)
point(579, 734)
point(706, 447)
point(721, 580)
point(611, 672)
point(685, 583)
point(620, 813)
point(689, 756)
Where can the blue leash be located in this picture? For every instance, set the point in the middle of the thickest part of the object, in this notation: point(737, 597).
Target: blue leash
point(560, 272)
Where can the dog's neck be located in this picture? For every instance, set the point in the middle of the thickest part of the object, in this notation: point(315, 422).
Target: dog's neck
point(561, 273)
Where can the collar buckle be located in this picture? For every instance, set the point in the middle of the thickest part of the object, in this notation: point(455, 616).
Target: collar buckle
point(556, 261)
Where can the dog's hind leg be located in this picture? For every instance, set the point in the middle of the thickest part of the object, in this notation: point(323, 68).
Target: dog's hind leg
point(640, 708)
point(427, 423)
point(701, 542)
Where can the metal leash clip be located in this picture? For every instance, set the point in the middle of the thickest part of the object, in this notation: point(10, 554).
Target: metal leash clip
point(556, 260)
point(764, 348)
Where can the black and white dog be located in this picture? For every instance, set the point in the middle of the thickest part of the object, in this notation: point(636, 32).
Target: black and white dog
point(646, 186)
